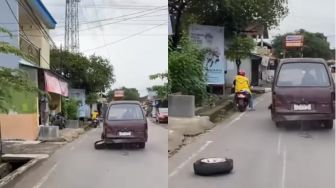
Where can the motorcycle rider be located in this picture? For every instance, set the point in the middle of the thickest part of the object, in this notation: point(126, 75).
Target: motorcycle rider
point(242, 83)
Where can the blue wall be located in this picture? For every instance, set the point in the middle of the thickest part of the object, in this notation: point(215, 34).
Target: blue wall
point(7, 21)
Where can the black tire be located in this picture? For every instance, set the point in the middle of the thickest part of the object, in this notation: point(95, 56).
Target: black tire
point(142, 145)
point(278, 124)
point(241, 108)
point(222, 166)
point(329, 124)
point(99, 145)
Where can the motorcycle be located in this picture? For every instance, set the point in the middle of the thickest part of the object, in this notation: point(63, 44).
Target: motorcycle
point(58, 120)
point(241, 100)
point(95, 123)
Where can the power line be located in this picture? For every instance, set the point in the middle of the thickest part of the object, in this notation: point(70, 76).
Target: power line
point(113, 18)
point(125, 38)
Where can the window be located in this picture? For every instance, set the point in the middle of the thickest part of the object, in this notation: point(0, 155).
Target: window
point(303, 75)
point(125, 112)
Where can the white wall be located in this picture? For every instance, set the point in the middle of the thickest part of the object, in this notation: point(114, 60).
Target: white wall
point(232, 70)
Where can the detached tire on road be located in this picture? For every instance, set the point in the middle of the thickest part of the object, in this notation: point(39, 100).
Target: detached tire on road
point(213, 166)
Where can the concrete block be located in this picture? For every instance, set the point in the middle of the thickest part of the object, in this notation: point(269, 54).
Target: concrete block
point(48, 133)
point(74, 124)
point(181, 105)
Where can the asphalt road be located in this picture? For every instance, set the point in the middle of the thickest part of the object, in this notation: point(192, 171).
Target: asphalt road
point(264, 156)
point(79, 165)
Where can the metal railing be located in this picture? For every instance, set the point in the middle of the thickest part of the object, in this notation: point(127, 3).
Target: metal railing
point(29, 49)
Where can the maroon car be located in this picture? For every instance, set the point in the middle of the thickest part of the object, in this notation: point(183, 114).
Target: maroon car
point(303, 90)
point(125, 122)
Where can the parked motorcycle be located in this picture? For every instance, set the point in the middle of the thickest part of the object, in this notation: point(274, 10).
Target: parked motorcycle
point(58, 120)
point(241, 100)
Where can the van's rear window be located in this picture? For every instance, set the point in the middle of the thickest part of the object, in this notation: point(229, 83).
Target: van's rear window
point(125, 112)
point(303, 75)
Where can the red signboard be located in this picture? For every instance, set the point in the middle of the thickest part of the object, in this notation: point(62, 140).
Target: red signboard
point(55, 85)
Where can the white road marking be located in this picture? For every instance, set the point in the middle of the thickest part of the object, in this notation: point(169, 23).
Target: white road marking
point(284, 164)
point(235, 119)
point(190, 158)
point(45, 178)
point(279, 143)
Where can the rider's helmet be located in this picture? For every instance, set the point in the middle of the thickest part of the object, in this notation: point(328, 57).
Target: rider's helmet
point(241, 73)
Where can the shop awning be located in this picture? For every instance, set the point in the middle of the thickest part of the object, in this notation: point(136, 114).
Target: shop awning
point(54, 84)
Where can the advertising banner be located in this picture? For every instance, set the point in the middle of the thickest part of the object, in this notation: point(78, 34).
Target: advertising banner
point(212, 38)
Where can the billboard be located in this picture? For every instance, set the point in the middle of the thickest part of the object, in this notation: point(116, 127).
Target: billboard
point(294, 41)
point(212, 38)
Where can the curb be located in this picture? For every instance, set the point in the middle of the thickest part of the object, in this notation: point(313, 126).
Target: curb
point(34, 159)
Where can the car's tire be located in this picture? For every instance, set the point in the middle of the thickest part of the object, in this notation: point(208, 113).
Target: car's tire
point(278, 124)
point(329, 124)
point(99, 144)
point(142, 145)
point(213, 166)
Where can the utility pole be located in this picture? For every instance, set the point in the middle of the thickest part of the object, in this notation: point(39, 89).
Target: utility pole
point(71, 39)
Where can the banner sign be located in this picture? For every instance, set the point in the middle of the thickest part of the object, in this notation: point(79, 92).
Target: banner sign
point(295, 41)
point(212, 38)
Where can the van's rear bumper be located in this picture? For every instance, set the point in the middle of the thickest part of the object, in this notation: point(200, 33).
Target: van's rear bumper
point(278, 117)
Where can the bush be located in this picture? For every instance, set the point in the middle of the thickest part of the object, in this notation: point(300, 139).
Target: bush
point(70, 109)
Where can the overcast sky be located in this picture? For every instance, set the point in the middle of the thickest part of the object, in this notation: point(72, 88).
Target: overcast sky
point(134, 58)
point(311, 15)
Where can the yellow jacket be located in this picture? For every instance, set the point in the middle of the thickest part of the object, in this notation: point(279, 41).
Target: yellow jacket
point(242, 83)
point(94, 115)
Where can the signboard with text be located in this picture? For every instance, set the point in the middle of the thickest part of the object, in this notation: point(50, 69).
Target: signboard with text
point(294, 41)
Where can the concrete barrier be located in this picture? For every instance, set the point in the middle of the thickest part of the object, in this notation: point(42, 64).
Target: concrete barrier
point(47, 133)
point(181, 105)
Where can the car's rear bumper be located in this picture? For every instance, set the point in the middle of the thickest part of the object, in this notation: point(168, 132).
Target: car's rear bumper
point(116, 140)
point(278, 117)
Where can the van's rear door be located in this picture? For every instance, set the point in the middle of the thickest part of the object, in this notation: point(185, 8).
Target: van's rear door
point(303, 88)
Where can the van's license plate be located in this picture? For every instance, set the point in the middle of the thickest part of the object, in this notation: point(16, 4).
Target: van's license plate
point(302, 107)
point(125, 133)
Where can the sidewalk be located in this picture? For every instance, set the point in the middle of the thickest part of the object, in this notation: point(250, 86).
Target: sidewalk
point(38, 147)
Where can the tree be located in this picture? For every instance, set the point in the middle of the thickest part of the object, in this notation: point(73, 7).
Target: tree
point(12, 79)
point(185, 70)
point(94, 74)
point(234, 15)
point(164, 90)
point(129, 94)
point(239, 48)
point(315, 45)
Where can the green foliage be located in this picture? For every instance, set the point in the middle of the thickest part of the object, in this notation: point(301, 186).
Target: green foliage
point(129, 94)
point(94, 74)
point(12, 81)
point(164, 90)
point(185, 69)
point(315, 45)
point(70, 108)
point(239, 48)
point(91, 98)
point(234, 15)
